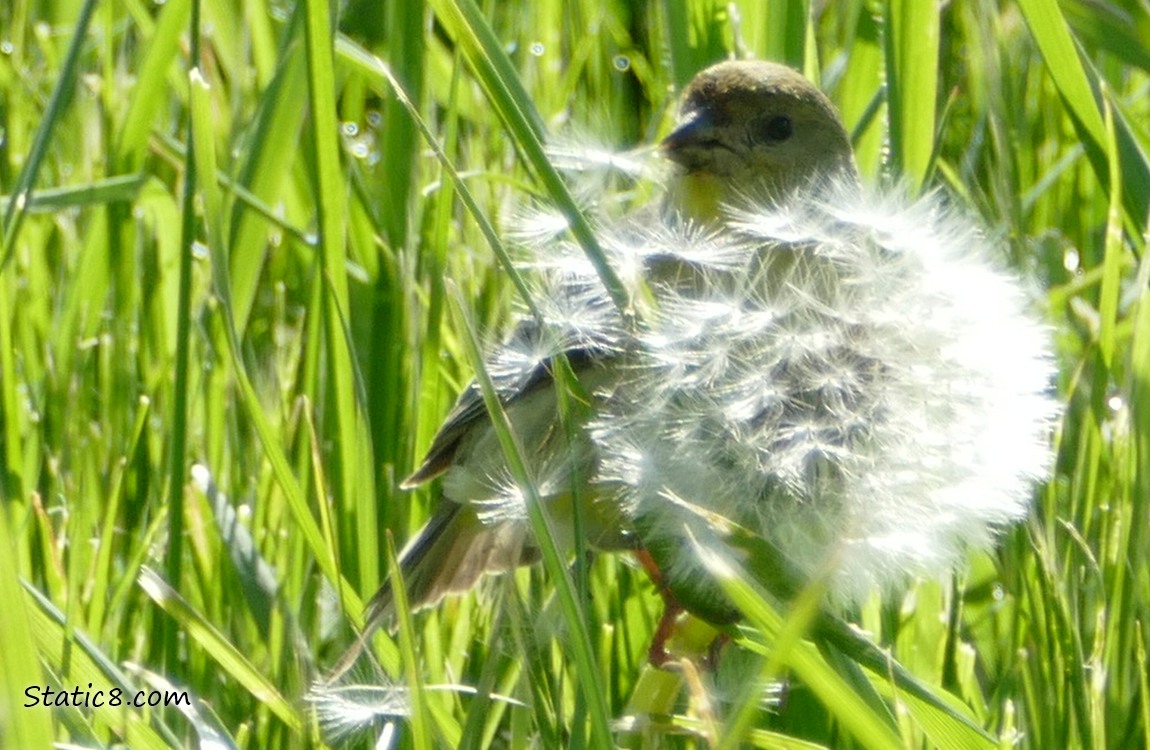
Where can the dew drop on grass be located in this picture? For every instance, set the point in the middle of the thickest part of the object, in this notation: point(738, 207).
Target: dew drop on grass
point(350, 129)
point(622, 63)
point(6, 47)
point(538, 49)
point(1070, 260)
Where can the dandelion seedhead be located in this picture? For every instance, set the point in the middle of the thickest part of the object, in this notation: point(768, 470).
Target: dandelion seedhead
point(848, 377)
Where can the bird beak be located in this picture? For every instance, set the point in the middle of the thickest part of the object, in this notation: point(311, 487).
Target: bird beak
point(687, 143)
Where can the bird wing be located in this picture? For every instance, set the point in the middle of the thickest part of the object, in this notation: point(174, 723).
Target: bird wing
point(511, 384)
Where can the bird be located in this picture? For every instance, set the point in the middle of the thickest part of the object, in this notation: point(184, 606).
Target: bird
point(811, 376)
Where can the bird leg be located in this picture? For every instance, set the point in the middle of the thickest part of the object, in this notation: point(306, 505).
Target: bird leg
point(658, 654)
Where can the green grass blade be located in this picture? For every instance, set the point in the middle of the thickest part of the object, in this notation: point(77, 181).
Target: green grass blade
point(785, 28)
point(589, 680)
point(1052, 34)
point(219, 648)
point(1114, 254)
point(858, 718)
point(912, 39)
point(351, 451)
point(420, 732)
point(148, 96)
point(697, 34)
point(249, 398)
point(859, 95)
point(463, 19)
point(19, 667)
point(1122, 30)
point(22, 189)
point(377, 71)
point(119, 189)
point(76, 658)
point(264, 174)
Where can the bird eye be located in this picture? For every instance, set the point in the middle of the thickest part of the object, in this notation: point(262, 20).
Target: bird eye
point(775, 129)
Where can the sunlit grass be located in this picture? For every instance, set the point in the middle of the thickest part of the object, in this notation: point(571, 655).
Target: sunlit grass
point(288, 324)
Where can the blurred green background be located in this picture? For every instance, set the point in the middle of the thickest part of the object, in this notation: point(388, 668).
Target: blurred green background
point(226, 243)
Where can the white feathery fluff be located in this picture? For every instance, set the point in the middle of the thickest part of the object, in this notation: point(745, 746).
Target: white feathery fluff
point(849, 376)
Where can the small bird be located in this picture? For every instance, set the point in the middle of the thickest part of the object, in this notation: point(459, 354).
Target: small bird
point(845, 377)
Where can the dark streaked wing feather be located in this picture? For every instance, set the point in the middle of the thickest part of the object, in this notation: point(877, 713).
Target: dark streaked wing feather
point(469, 410)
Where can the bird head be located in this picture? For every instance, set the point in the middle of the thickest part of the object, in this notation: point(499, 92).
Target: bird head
point(752, 131)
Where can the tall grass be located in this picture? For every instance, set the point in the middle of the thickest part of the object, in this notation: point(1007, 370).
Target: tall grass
point(230, 246)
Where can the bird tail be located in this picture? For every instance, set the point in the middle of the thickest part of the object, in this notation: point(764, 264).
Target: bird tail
point(448, 555)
